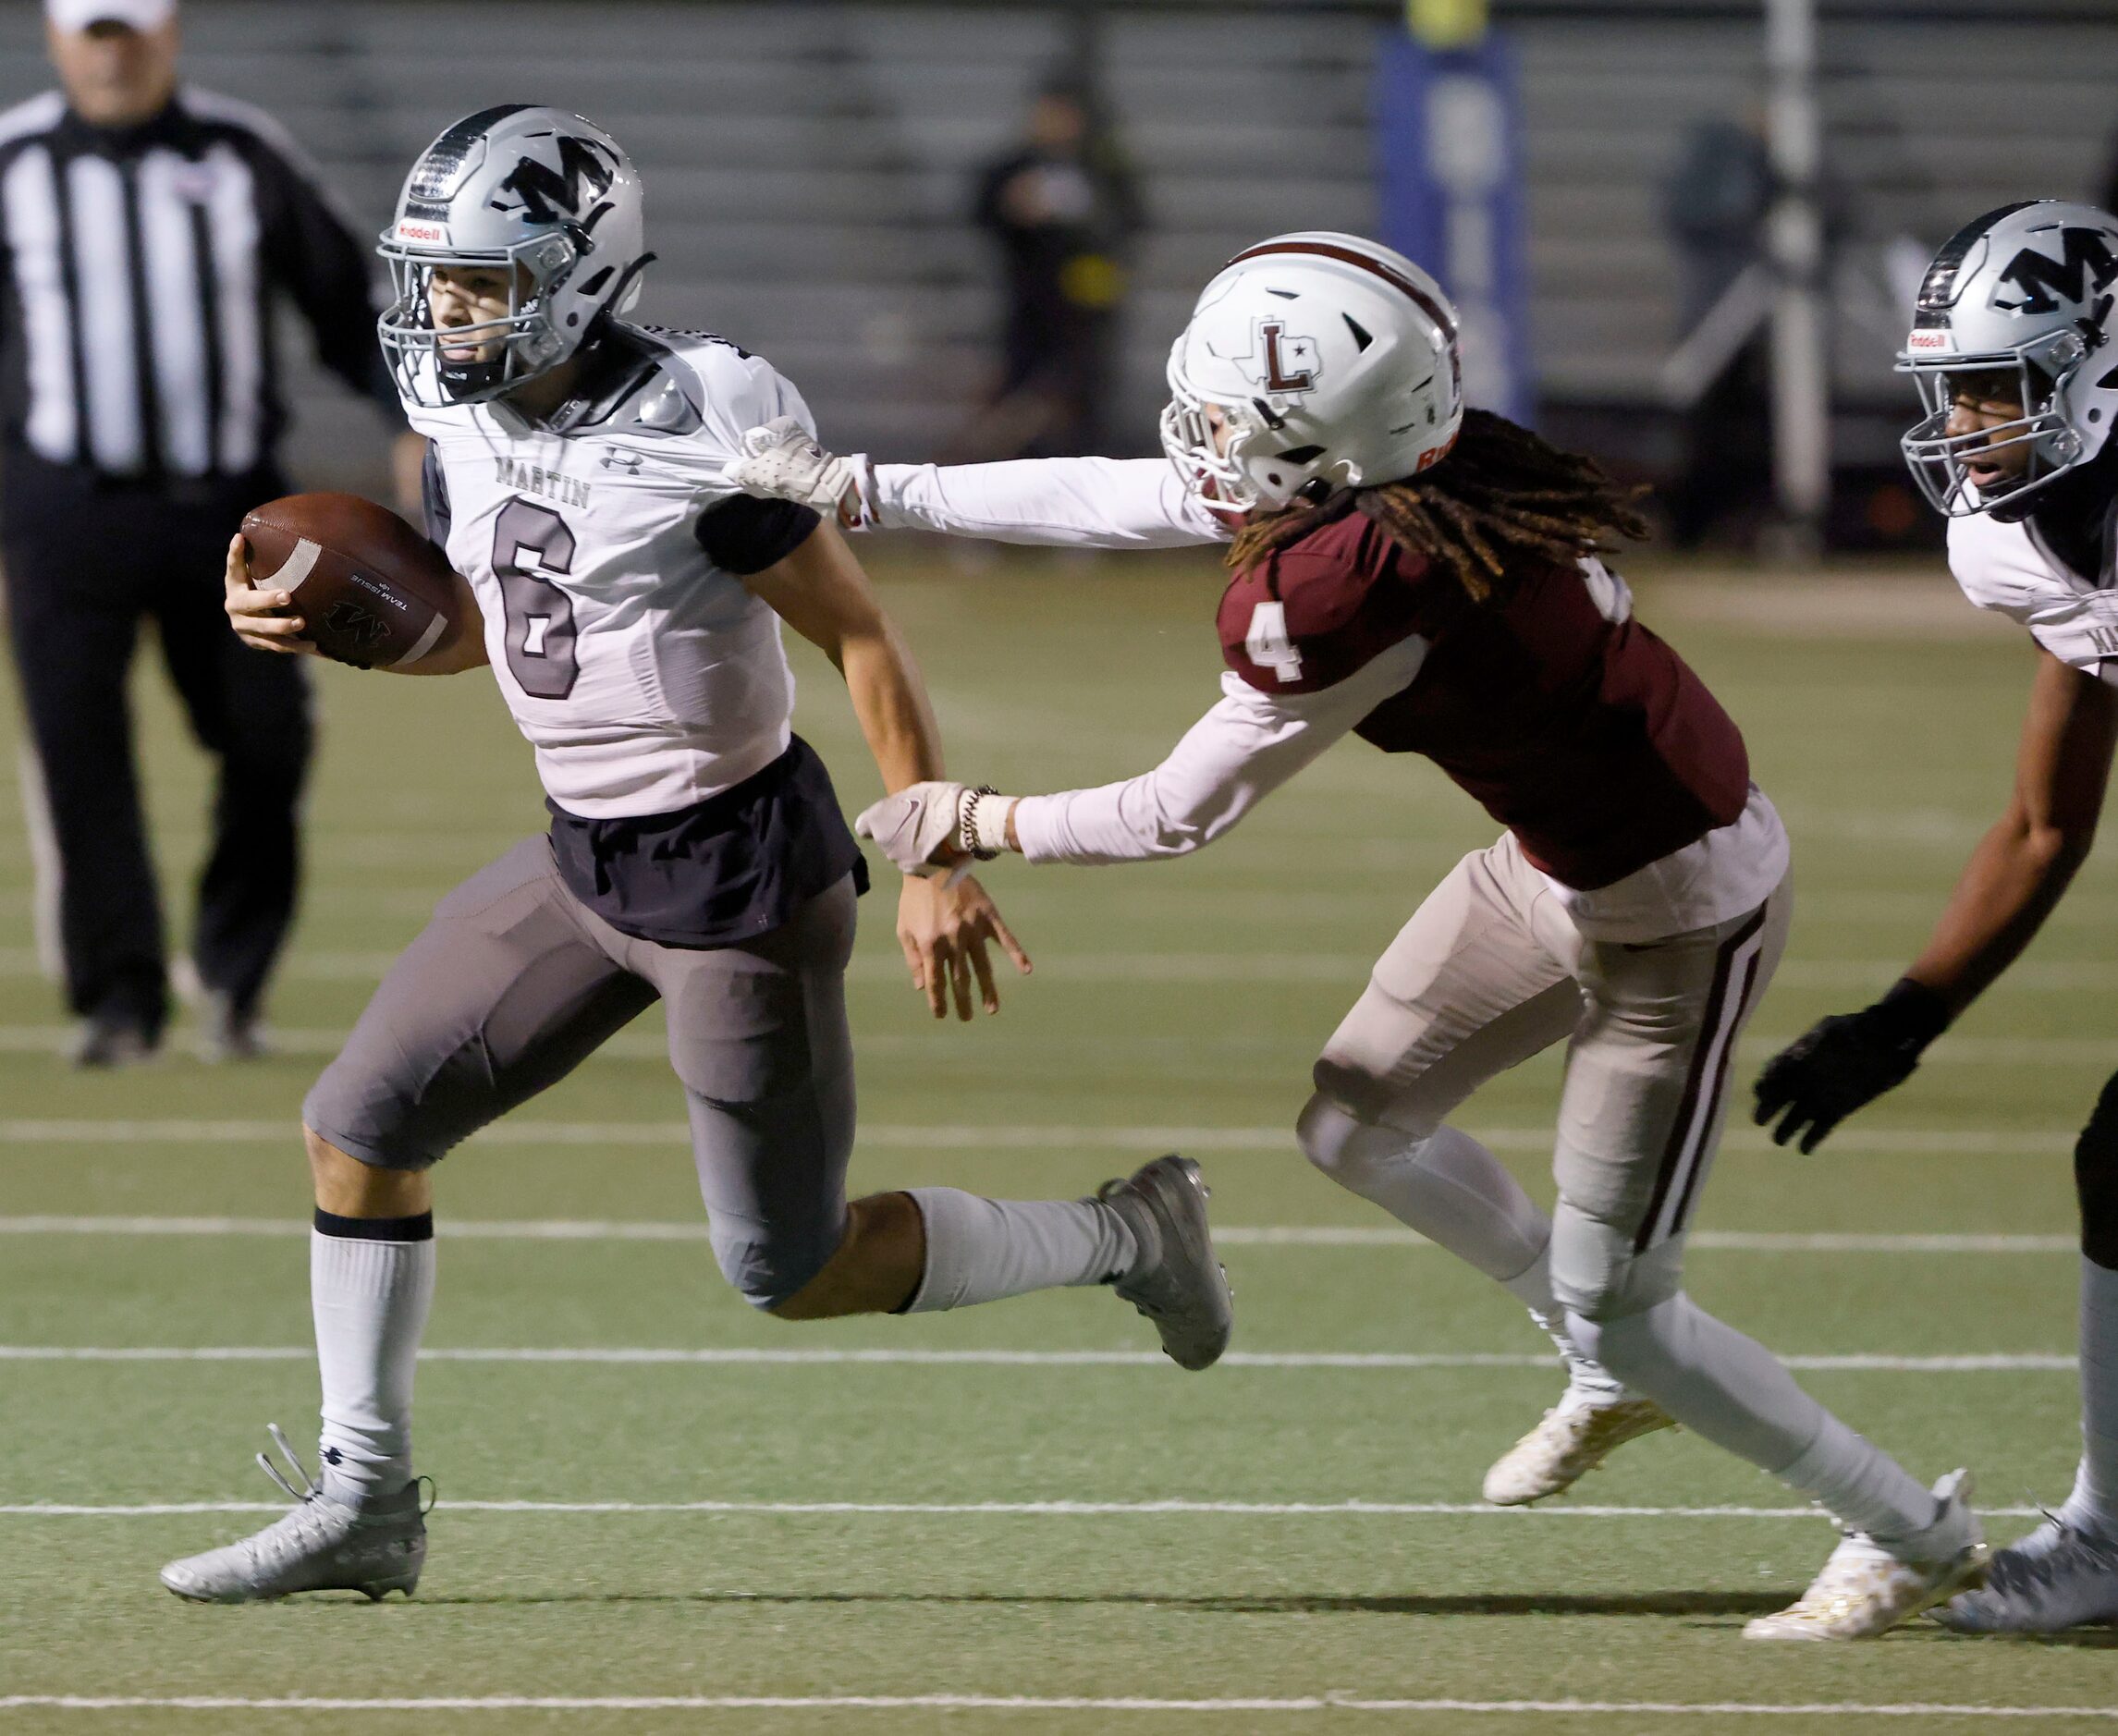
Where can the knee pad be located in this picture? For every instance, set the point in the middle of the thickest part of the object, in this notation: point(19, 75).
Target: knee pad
point(768, 1263)
point(1352, 1151)
point(2096, 1180)
point(1596, 1277)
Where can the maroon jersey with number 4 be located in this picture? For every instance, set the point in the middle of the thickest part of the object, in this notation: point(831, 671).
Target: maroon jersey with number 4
point(1589, 739)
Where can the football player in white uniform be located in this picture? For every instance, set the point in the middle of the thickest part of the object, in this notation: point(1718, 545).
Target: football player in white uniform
point(1426, 576)
point(631, 601)
point(2010, 347)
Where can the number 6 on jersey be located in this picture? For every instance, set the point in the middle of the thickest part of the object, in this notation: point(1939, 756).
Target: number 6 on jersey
point(540, 615)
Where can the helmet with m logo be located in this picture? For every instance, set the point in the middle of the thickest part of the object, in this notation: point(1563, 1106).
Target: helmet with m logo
point(2022, 295)
point(541, 195)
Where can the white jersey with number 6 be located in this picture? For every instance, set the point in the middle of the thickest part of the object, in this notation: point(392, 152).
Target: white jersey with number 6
point(605, 549)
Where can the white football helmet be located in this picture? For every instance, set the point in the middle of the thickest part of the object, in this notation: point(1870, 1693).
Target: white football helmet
point(1333, 363)
point(538, 191)
point(2027, 290)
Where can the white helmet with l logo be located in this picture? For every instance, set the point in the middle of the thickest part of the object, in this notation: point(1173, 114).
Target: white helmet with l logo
point(2026, 290)
point(1333, 363)
point(538, 193)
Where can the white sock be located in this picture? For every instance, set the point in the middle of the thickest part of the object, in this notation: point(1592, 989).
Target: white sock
point(980, 1250)
point(1733, 1392)
point(2094, 1503)
point(370, 1299)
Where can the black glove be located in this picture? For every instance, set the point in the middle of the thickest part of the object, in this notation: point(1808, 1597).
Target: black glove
point(1840, 1063)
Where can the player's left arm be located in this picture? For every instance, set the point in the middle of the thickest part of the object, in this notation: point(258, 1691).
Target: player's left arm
point(2015, 878)
point(1242, 751)
point(944, 927)
point(1053, 502)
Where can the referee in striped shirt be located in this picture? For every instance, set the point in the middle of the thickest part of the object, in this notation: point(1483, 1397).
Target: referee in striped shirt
point(147, 232)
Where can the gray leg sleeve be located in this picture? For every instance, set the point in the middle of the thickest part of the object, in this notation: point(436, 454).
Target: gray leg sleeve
point(1732, 1390)
point(1445, 1185)
point(758, 1034)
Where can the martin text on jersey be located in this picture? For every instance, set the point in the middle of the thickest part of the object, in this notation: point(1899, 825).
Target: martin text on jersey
point(533, 479)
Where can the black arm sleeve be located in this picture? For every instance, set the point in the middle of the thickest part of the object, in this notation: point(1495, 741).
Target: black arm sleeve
point(746, 536)
point(317, 259)
point(434, 492)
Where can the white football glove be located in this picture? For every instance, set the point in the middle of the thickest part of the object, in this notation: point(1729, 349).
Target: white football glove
point(937, 827)
point(783, 461)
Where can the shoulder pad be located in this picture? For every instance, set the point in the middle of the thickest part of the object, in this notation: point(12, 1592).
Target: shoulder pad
point(636, 385)
point(1312, 615)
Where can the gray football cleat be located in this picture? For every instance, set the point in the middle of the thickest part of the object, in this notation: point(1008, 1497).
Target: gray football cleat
point(320, 1545)
point(2060, 1576)
point(1178, 1284)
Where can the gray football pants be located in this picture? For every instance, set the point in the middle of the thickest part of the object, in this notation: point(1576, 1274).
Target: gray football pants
point(514, 982)
point(1490, 970)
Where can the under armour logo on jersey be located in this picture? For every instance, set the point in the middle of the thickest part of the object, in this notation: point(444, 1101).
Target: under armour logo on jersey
point(1267, 645)
point(1281, 361)
point(332, 1456)
point(629, 462)
point(2086, 265)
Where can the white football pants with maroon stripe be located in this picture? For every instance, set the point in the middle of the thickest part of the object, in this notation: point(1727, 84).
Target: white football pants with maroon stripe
point(1493, 970)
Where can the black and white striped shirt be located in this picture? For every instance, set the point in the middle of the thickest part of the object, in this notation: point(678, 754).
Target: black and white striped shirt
point(139, 270)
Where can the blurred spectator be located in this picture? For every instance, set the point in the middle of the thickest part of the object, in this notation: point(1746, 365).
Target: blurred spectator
point(1715, 206)
point(148, 228)
point(1063, 207)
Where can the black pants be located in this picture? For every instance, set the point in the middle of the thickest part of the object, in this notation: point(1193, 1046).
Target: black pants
point(85, 564)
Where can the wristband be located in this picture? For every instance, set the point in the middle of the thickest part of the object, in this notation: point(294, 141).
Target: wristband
point(1911, 1016)
point(981, 823)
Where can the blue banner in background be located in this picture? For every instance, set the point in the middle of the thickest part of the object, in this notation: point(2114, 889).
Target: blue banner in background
point(1448, 144)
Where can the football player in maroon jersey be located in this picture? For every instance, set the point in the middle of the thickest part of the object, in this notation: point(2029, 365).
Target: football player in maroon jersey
point(1428, 579)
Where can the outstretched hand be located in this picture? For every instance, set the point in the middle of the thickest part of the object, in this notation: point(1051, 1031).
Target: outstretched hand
point(1834, 1067)
point(945, 928)
point(782, 460)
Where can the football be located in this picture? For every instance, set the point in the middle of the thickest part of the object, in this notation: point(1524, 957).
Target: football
point(373, 592)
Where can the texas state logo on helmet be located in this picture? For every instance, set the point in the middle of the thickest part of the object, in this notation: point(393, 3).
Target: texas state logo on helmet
point(2027, 291)
point(1330, 360)
point(539, 193)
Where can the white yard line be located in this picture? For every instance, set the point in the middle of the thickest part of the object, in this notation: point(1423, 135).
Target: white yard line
point(1232, 966)
point(1048, 1703)
point(651, 1045)
point(998, 1509)
point(658, 1355)
point(1039, 1136)
point(1225, 1235)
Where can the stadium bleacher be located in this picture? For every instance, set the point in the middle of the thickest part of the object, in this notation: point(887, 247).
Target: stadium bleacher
point(808, 165)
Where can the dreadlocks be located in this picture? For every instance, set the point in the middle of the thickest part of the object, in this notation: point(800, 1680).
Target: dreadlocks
point(1501, 492)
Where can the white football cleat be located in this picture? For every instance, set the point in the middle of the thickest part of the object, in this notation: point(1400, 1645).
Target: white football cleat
point(318, 1545)
point(2060, 1576)
point(1864, 1590)
point(1571, 1441)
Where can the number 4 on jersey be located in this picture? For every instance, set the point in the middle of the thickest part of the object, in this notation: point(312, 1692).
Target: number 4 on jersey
point(1267, 645)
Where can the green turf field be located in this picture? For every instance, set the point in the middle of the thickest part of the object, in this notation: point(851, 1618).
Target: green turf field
point(673, 1499)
